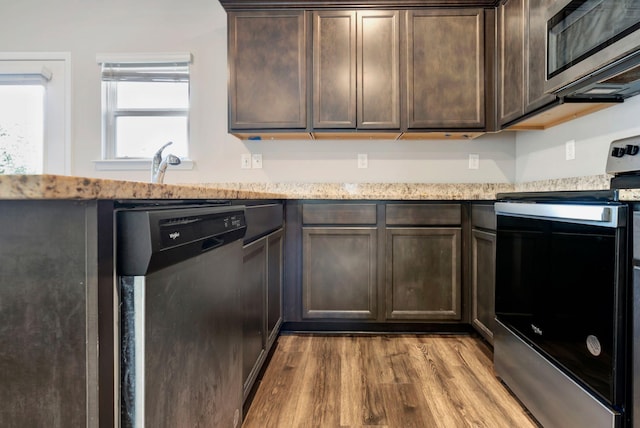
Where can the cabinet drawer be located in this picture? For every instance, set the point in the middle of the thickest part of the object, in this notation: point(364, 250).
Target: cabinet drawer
point(483, 216)
point(423, 214)
point(339, 213)
point(262, 219)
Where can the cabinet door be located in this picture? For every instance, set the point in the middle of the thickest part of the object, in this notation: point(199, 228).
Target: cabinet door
point(483, 279)
point(334, 69)
point(535, 96)
point(378, 64)
point(339, 272)
point(267, 66)
point(423, 273)
point(274, 284)
point(253, 308)
point(445, 69)
point(511, 44)
point(356, 69)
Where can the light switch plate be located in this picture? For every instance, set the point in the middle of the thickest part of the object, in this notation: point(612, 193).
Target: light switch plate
point(245, 161)
point(256, 160)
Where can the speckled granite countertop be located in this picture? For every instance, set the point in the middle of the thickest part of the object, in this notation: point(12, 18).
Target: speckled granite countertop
point(65, 187)
point(595, 182)
point(376, 191)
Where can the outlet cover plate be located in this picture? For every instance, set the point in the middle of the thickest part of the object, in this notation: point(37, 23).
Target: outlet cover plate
point(570, 150)
point(256, 160)
point(474, 161)
point(363, 160)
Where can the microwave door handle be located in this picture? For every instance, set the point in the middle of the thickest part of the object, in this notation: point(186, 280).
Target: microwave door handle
point(589, 214)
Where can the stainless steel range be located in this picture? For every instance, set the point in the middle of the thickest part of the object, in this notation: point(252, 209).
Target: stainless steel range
point(568, 299)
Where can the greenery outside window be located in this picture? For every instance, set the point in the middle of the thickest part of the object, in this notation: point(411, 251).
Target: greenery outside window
point(34, 107)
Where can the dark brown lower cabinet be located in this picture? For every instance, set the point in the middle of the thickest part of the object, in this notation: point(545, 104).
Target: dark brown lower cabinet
point(262, 303)
point(423, 273)
point(339, 272)
point(56, 313)
point(483, 265)
point(253, 309)
point(374, 262)
point(483, 277)
point(275, 268)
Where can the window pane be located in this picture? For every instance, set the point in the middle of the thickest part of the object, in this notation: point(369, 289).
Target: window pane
point(21, 129)
point(153, 95)
point(142, 136)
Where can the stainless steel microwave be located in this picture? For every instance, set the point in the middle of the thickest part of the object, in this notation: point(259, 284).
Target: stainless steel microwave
point(591, 44)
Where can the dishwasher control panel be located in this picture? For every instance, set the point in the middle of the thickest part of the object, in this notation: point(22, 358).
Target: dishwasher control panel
point(178, 231)
point(148, 240)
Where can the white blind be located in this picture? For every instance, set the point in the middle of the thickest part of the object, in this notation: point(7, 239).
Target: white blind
point(145, 67)
point(24, 75)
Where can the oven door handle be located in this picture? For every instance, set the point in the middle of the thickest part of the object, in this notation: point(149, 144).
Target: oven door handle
point(601, 215)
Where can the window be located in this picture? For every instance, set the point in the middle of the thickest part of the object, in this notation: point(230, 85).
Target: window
point(33, 113)
point(145, 104)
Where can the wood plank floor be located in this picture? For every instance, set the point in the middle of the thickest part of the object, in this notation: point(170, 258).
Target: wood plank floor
point(383, 381)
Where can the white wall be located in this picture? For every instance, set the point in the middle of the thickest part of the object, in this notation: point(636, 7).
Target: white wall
point(87, 27)
point(541, 154)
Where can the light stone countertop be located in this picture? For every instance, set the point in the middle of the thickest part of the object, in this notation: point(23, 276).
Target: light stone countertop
point(376, 191)
point(629, 195)
point(67, 187)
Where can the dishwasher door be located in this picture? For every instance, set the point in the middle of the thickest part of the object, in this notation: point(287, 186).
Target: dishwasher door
point(180, 317)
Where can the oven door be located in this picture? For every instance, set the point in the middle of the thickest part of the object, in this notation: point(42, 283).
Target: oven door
point(560, 286)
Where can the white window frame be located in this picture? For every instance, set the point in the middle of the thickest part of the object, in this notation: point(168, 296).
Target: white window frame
point(109, 111)
point(57, 117)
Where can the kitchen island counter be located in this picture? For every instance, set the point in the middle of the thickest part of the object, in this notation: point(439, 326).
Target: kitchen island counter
point(70, 187)
point(84, 188)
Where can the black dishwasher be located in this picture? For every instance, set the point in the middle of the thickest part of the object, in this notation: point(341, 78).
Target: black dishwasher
point(179, 270)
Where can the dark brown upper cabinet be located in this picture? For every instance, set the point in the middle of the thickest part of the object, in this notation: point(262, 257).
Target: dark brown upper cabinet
point(268, 72)
point(334, 69)
point(445, 69)
point(534, 94)
point(383, 73)
point(356, 69)
point(522, 102)
point(418, 69)
point(230, 5)
point(522, 58)
point(511, 45)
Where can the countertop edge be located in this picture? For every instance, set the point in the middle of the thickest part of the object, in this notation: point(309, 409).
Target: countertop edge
point(25, 187)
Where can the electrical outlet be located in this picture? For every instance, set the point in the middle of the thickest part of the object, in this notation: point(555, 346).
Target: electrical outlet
point(256, 160)
point(570, 150)
point(245, 161)
point(363, 160)
point(474, 161)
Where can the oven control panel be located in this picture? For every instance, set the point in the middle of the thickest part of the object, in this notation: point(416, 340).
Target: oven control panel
point(623, 156)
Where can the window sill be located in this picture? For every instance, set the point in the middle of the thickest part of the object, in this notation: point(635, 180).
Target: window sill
point(136, 165)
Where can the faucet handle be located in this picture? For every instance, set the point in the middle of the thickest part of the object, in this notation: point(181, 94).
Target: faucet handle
point(173, 159)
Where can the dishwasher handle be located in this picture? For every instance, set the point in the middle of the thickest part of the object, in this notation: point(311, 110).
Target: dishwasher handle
point(211, 244)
